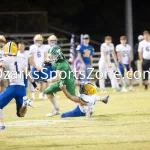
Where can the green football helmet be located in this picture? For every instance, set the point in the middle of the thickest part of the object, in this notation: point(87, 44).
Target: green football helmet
point(55, 54)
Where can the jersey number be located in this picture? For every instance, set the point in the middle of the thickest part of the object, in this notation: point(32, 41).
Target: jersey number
point(38, 54)
point(16, 65)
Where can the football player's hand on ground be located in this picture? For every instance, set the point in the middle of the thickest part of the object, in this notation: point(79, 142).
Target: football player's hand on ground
point(61, 86)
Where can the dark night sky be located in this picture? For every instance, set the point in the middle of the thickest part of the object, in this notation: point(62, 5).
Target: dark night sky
point(96, 17)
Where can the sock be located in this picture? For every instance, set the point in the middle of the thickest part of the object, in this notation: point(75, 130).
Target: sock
point(40, 94)
point(54, 104)
point(33, 94)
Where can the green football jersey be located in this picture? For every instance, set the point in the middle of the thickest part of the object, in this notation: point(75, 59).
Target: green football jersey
point(67, 75)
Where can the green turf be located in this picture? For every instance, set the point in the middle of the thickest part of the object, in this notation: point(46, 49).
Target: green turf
point(122, 124)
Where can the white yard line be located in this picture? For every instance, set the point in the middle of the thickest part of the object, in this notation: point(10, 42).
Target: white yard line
point(26, 123)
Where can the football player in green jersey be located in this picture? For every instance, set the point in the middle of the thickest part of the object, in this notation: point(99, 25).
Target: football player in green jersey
point(64, 74)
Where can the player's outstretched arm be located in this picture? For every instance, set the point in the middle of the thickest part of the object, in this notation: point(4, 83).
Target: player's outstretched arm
point(31, 79)
point(68, 95)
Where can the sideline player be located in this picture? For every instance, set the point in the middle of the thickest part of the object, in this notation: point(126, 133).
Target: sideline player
point(38, 55)
point(144, 56)
point(123, 54)
point(16, 67)
point(105, 65)
point(87, 98)
point(63, 74)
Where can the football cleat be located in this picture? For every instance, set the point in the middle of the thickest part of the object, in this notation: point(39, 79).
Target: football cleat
point(105, 99)
point(131, 88)
point(124, 90)
point(53, 113)
point(2, 127)
point(28, 102)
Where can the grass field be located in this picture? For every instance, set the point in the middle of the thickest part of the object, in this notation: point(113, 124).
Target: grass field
point(124, 123)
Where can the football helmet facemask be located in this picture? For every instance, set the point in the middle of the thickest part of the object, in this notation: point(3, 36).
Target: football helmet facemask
point(55, 54)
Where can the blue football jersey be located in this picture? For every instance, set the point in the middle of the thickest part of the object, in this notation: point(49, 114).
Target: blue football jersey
point(86, 52)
